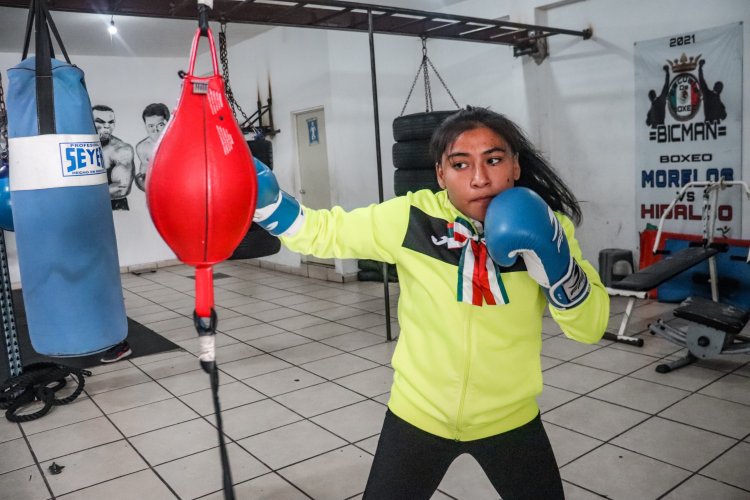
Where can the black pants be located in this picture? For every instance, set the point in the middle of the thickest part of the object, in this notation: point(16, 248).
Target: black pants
point(409, 463)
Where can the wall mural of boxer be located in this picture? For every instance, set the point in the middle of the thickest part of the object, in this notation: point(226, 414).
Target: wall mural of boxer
point(118, 157)
point(155, 117)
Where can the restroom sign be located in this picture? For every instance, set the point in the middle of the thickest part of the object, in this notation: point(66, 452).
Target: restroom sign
point(313, 134)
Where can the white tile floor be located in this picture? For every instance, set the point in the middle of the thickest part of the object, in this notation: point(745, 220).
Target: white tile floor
point(305, 380)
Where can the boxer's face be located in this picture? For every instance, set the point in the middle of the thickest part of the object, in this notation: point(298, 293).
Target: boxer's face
point(105, 124)
point(478, 165)
point(154, 126)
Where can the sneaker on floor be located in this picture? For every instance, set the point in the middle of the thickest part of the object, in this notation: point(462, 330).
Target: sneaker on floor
point(116, 353)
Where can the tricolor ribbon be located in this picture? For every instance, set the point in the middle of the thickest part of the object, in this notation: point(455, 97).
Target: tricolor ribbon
point(479, 278)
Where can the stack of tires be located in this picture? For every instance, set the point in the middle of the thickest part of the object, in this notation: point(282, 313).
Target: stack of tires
point(258, 242)
point(415, 169)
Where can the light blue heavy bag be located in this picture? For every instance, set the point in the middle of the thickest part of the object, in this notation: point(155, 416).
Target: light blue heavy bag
point(62, 215)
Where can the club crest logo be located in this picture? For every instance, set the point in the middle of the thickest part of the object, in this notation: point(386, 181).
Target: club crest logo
point(684, 95)
point(692, 102)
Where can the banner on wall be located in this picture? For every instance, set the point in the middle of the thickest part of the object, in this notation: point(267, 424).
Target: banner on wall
point(689, 126)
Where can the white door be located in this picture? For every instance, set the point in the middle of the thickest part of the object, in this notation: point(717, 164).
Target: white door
point(315, 189)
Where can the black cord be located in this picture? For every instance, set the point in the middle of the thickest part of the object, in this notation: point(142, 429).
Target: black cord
point(226, 470)
point(207, 356)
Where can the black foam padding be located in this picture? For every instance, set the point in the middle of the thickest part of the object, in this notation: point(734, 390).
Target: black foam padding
point(654, 275)
point(723, 317)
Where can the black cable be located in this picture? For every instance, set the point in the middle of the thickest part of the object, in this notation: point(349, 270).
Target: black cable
point(226, 471)
point(207, 356)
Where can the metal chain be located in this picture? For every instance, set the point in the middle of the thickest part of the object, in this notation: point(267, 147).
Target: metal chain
point(225, 71)
point(424, 70)
point(6, 298)
point(443, 83)
point(413, 84)
point(3, 124)
point(426, 74)
point(12, 346)
point(427, 90)
point(8, 313)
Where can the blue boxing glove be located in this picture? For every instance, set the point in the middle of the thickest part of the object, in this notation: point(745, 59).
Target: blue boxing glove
point(276, 211)
point(519, 222)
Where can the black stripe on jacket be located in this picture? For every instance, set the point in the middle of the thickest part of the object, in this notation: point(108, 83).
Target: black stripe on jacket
point(429, 236)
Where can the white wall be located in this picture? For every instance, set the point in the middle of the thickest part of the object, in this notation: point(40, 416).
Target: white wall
point(577, 106)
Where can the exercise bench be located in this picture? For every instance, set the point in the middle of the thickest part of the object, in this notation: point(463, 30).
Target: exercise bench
point(712, 328)
point(638, 284)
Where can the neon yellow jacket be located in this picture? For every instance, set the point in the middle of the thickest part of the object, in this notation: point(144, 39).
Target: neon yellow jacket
point(462, 372)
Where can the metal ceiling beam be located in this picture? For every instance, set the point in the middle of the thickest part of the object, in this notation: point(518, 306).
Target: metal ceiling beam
point(324, 14)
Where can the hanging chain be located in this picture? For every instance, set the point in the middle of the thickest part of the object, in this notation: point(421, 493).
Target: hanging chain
point(427, 89)
point(3, 126)
point(6, 298)
point(225, 70)
point(12, 347)
point(424, 70)
point(413, 84)
point(443, 83)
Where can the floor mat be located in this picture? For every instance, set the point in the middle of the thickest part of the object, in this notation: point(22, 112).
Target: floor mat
point(143, 341)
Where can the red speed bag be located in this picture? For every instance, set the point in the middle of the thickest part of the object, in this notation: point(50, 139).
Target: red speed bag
point(201, 186)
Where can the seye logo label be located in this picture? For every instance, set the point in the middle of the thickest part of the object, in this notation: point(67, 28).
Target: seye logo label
point(81, 158)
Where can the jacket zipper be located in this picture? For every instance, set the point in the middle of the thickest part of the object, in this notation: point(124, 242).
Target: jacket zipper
point(467, 365)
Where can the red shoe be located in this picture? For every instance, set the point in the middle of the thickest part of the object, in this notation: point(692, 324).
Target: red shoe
point(116, 353)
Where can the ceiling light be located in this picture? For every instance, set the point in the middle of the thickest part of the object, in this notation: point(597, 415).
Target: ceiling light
point(112, 29)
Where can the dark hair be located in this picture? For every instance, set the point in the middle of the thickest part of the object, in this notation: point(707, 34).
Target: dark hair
point(102, 107)
point(155, 109)
point(536, 172)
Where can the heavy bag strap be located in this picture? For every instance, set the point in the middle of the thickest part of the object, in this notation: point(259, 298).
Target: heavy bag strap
point(51, 24)
point(194, 51)
point(40, 18)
